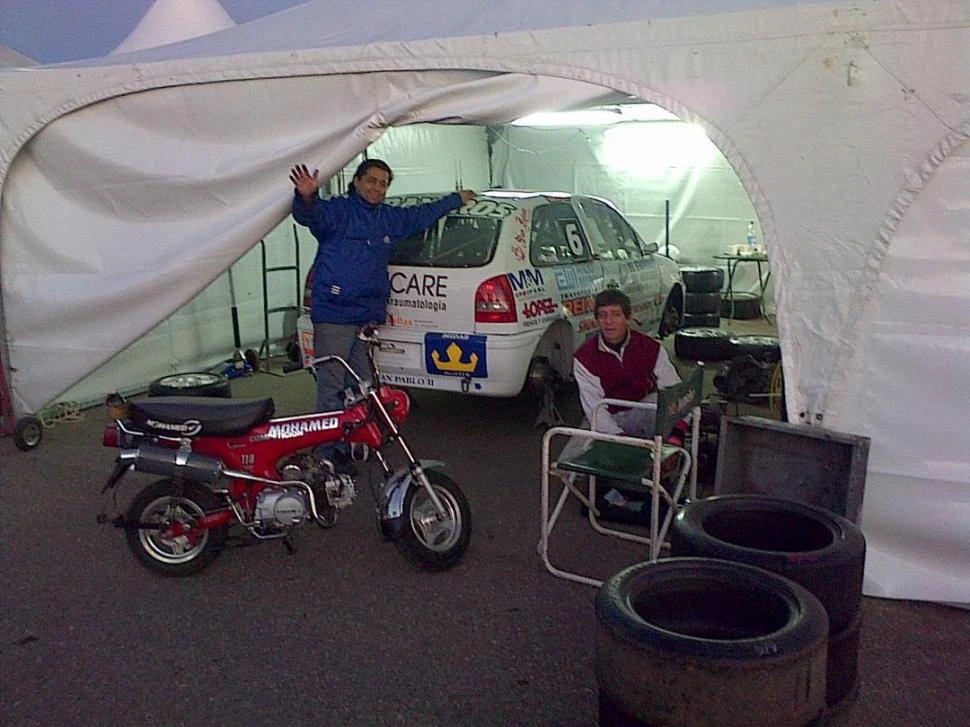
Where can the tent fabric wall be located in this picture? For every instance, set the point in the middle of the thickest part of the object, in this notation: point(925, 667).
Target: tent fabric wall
point(833, 114)
point(199, 336)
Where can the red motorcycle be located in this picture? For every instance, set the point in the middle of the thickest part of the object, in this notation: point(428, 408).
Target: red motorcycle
point(228, 464)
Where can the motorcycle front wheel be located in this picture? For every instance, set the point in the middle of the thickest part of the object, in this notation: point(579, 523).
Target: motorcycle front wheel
point(160, 528)
point(429, 540)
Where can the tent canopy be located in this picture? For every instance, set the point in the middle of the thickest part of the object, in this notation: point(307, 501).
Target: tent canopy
point(130, 182)
point(169, 21)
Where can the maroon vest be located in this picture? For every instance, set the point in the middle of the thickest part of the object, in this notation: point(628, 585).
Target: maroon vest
point(633, 377)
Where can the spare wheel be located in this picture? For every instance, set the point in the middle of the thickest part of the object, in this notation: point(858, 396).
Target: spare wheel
point(192, 383)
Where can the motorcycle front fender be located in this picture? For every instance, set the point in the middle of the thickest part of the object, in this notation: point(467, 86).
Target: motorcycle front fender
point(396, 487)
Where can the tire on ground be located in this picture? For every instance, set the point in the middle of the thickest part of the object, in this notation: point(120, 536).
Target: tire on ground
point(746, 306)
point(28, 433)
point(816, 548)
point(762, 348)
point(702, 344)
point(842, 664)
point(701, 641)
point(702, 278)
point(703, 303)
point(701, 320)
point(193, 383)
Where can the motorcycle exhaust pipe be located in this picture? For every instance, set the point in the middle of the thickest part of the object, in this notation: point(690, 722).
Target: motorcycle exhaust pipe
point(174, 463)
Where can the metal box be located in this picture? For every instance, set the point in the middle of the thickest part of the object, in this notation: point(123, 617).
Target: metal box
point(807, 464)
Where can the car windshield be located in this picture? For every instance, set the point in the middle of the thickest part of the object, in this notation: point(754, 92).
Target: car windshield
point(457, 241)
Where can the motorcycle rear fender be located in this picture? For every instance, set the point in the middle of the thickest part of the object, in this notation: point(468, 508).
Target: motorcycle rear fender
point(396, 487)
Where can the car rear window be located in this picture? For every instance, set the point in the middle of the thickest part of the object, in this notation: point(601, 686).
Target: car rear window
point(455, 242)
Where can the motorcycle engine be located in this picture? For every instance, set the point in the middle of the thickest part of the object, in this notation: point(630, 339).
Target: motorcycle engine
point(329, 489)
point(276, 509)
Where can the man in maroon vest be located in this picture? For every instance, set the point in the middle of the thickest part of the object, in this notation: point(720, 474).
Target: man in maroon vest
point(621, 363)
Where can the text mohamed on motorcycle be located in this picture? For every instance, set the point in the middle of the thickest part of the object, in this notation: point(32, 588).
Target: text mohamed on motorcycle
point(356, 234)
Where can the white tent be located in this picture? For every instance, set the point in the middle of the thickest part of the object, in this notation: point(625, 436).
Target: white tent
point(9, 58)
point(169, 21)
point(131, 182)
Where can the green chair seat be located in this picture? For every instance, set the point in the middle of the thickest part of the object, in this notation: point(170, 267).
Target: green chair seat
point(610, 460)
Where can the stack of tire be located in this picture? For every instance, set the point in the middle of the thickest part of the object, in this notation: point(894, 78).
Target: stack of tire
point(821, 551)
point(699, 641)
point(754, 620)
point(702, 302)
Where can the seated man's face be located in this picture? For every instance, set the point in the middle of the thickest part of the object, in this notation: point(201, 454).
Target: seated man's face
point(612, 322)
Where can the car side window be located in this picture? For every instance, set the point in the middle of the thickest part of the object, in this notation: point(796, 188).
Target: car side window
point(619, 238)
point(557, 237)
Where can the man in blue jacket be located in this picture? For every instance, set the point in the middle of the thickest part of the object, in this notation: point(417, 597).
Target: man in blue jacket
point(356, 234)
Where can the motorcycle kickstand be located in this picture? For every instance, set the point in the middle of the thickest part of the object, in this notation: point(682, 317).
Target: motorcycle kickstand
point(288, 544)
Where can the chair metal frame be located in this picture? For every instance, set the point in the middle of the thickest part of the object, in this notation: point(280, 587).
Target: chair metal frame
point(661, 451)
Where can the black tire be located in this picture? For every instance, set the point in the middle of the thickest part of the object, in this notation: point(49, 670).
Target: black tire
point(702, 278)
point(193, 383)
point(703, 303)
point(818, 549)
point(762, 348)
point(427, 541)
point(170, 501)
point(673, 315)
point(842, 664)
point(745, 306)
point(701, 320)
point(706, 642)
point(702, 344)
point(294, 352)
point(28, 433)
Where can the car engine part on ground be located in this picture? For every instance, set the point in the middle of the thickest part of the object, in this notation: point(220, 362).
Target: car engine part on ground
point(762, 348)
point(702, 278)
point(704, 641)
point(745, 380)
point(193, 383)
point(702, 344)
point(741, 306)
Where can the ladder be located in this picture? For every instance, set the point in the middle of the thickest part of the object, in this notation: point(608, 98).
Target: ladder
point(267, 354)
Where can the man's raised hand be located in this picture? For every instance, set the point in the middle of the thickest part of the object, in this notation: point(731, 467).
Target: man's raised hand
point(306, 185)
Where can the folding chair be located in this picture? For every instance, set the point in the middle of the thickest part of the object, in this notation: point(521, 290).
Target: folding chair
point(631, 461)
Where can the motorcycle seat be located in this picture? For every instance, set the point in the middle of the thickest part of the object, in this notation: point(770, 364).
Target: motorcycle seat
point(200, 415)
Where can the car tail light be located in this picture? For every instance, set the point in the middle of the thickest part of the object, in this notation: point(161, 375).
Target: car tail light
point(494, 302)
point(111, 436)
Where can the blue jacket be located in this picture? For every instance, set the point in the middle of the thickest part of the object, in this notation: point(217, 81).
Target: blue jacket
point(350, 283)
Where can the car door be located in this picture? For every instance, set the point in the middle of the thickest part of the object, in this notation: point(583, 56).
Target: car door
point(560, 246)
point(626, 263)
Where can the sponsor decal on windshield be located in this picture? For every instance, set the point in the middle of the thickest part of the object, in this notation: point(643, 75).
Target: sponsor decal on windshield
point(455, 355)
point(478, 208)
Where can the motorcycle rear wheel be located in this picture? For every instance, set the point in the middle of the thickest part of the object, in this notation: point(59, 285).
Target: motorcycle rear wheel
point(428, 540)
point(165, 503)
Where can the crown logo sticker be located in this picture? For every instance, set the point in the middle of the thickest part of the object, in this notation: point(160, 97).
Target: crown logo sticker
point(454, 362)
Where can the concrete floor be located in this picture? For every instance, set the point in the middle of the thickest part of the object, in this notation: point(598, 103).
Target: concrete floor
point(344, 632)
